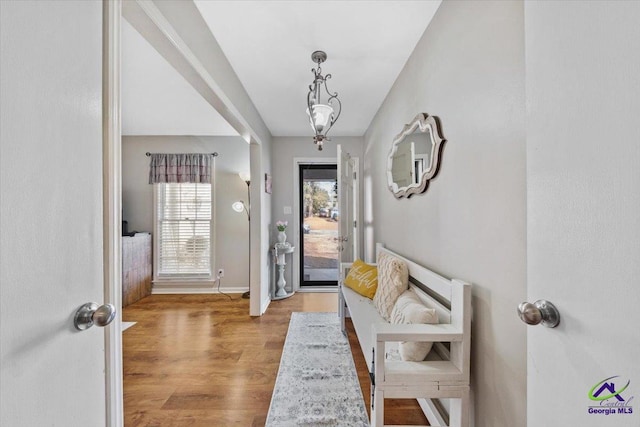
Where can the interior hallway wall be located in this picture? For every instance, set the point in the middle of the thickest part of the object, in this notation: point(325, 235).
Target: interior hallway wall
point(231, 228)
point(468, 69)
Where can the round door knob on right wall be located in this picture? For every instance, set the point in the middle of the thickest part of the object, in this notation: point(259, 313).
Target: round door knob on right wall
point(540, 312)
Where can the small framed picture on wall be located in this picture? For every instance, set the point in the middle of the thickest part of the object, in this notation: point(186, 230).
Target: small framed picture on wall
point(267, 183)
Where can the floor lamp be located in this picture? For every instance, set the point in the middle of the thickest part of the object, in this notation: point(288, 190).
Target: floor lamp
point(239, 207)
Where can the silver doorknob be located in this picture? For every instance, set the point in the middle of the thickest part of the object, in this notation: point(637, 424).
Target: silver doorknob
point(91, 314)
point(540, 312)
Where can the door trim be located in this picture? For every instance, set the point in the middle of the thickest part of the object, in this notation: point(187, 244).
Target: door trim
point(356, 208)
point(112, 207)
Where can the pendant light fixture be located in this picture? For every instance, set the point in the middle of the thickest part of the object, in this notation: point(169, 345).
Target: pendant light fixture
point(322, 116)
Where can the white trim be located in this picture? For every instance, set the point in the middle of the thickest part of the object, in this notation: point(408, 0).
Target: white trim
point(356, 209)
point(213, 233)
point(265, 305)
point(319, 289)
point(258, 235)
point(154, 240)
point(297, 161)
point(195, 289)
point(112, 209)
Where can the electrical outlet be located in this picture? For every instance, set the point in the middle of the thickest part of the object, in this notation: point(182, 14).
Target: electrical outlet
point(220, 273)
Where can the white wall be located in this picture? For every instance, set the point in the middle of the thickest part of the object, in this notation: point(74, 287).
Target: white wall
point(231, 228)
point(285, 150)
point(583, 183)
point(468, 69)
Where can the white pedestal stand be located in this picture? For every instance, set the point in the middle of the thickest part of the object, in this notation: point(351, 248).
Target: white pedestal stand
point(280, 250)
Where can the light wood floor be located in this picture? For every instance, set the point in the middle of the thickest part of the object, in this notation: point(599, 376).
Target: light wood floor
point(201, 360)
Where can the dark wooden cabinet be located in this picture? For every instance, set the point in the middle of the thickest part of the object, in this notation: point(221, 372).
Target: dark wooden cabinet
point(136, 267)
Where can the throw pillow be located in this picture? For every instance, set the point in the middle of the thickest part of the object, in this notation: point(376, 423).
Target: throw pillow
point(393, 279)
point(410, 309)
point(362, 278)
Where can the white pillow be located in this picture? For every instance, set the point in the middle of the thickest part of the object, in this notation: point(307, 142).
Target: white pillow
point(410, 309)
point(393, 279)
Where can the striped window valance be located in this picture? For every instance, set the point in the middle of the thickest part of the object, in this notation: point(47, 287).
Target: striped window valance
point(178, 168)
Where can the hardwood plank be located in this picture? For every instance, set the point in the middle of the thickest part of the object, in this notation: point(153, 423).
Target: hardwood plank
point(201, 360)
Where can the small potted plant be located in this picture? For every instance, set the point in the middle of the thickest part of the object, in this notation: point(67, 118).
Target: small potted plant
point(281, 226)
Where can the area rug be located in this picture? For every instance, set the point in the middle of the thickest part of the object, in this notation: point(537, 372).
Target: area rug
point(317, 383)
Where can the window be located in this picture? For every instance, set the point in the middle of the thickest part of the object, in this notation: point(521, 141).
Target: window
point(183, 230)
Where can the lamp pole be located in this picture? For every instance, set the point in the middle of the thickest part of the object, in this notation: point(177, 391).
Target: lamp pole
point(247, 294)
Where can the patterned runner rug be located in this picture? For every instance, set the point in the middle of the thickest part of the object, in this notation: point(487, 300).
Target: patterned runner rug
point(317, 383)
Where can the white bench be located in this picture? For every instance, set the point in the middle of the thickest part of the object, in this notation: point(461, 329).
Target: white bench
point(445, 373)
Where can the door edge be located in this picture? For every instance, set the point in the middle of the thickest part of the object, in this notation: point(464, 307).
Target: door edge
point(112, 208)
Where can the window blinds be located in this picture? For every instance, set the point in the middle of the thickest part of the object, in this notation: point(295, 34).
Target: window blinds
point(184, 229)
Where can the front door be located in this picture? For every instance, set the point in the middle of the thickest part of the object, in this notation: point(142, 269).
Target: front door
point(320, 214)
point(583, 210)
point(51, 216)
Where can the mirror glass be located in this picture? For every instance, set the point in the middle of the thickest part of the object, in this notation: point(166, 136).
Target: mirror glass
point(414, 157)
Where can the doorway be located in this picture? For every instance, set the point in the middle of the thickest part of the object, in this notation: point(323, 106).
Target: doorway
point(319, 211)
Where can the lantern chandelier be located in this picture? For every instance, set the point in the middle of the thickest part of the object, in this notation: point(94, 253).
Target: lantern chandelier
point(322, 116)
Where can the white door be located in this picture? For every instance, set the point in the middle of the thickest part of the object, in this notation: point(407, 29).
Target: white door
point(50, 213)
point(346, 224)
point(583, 212)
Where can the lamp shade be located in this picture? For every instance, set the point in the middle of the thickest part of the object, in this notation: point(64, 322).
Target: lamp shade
point(322, 115)
point(245, 176)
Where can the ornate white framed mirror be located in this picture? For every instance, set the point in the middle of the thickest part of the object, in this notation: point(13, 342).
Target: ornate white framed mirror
point(415, 156)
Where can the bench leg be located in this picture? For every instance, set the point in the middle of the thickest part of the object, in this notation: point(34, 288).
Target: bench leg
point(377, 409)
point(459, 411)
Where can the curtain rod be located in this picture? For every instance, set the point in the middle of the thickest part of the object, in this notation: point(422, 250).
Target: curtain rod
point(214, 154)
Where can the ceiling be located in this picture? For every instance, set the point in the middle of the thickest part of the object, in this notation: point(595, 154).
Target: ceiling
point(156, 99)
point(269, 46)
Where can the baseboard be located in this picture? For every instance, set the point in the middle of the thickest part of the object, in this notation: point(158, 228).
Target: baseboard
point(192, 288)
point(265, 305)
point(318, 289)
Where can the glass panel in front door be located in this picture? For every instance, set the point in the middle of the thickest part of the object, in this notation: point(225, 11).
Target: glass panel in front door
point(319, 213)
